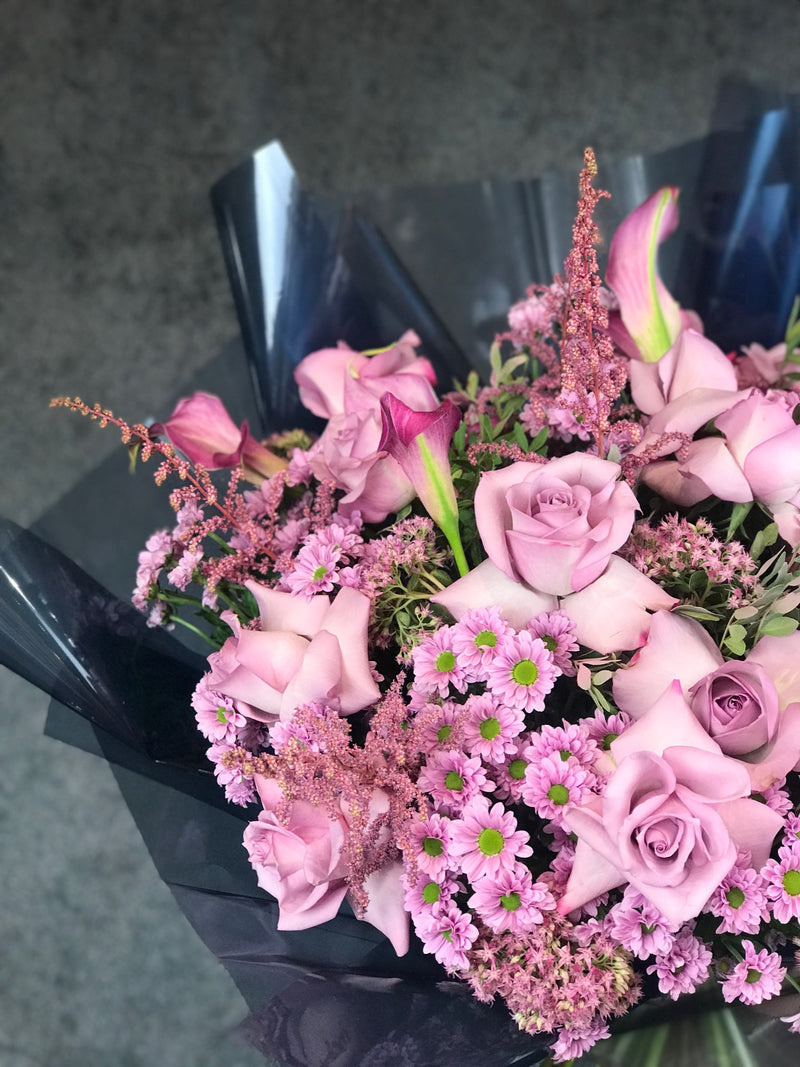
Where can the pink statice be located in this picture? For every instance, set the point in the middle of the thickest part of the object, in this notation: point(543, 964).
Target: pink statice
point(476, 636)
point(522, 672)
point(639, 926)
point(485, 840)
point(565, 741)
point(511, 900)
point(182, 573)
point(782, 883)
point(684, 967)
point(557, 630)
point(490, 729)
point(430, 845)
point(216, 715)
point(758, 976)
point(448, 933)
point(573, 1042)
point(436, 666)
point(453, 779)
point(740, 901)
point(552, 784)
point(159, 616)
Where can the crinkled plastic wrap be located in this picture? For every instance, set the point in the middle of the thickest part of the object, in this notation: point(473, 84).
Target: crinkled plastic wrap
point(446, 262)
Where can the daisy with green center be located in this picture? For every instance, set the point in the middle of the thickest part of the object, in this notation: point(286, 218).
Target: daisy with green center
point(490, 728)
point(511, 900)
point(782, 877)
point(758, 976)
point(453, 779)
point(486, 840)
point(522, 672)
point(476, 636)
point(430, 843)
point(436, 666)
point(553, 784)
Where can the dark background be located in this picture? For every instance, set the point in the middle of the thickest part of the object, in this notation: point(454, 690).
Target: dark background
point(116, 118)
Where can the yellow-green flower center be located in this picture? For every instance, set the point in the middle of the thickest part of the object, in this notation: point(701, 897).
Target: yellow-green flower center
point(486, 639)
point(445, 661)
point(490, 841)
point(558, 793)
point(431, 892)
point(489, 729)
point(320, 573)
point(516, 769)
point(432, 846)
point(753, 976)
point(525, 672)
point(453, 781)
point(510, 901)
point(444, 732)
point(735, 897)
point(791, 883)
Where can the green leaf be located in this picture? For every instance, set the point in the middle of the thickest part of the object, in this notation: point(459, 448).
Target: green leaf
point(778, 626)
point(539, 441)
point(520, 436)
point(693, 611)
point(763, 539)
point(734, 639)
point(738, 515)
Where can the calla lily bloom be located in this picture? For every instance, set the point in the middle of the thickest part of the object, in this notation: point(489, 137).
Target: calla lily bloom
point(420, 442)
point(201, 428)
point(650, 315)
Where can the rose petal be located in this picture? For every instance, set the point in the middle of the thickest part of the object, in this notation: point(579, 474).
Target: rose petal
point(487, 585)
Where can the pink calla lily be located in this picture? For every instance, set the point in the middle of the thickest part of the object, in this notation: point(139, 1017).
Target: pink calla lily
point(201, 428)
point(650, 315)
point(420, 442)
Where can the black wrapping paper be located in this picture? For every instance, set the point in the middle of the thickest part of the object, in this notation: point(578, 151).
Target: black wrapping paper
point(446, 262)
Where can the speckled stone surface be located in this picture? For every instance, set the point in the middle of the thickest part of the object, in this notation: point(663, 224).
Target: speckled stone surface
point(116, 119)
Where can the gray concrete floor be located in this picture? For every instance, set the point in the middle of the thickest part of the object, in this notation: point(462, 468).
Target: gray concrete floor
point(116, 118)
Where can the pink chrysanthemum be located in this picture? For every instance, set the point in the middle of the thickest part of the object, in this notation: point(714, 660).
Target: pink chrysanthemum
point(564, 741)
point(522, 672)
point(314, 570)
point(571, 1044)
point(740, 901)
point(639, 926)
point(449, 934)
point(684, 967)
point(777, 798)
point(453, 779)
point(557, 630)
point(485, 840)
point(439, 720)
point(510, 775)
point(476, 637)
point(490, 728)
point(603, 729)
point(217, 718)
point(782, 879)
point(426, 894)
point(757, 977)
point(791, 830)
point(511, 900)
point(436, 667)
point(553, 784)
point(431, 843)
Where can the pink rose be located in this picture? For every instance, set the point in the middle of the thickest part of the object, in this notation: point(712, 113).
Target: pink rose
point(347, 453)
point(672, 817)
point(305, 651)
point(751, 707)
point(554, 526)
point(323, 376)
point(299, 860)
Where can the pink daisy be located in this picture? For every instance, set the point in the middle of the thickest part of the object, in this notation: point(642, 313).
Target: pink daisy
point(557, 630)
point(553, 784)
point(486, 840)
point(782, 878)
point(430, 839)
point(639, 926)
point(565, 741)
point(510, 775)
point(490, 728)
point(453, 779)
point(476, 636)
point(438, 721)
point(684, 967)
point(757, 977)
point(436, 667)
point(511, 900)
point(448, 934)
point(571, 1044)
point(314, 570)
point(740, 901)
point(522, 672)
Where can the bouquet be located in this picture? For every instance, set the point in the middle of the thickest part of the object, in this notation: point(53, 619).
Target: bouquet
point(514, 666)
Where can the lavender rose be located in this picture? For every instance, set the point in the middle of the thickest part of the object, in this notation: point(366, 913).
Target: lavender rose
point(554, 526)
point(738, 705)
